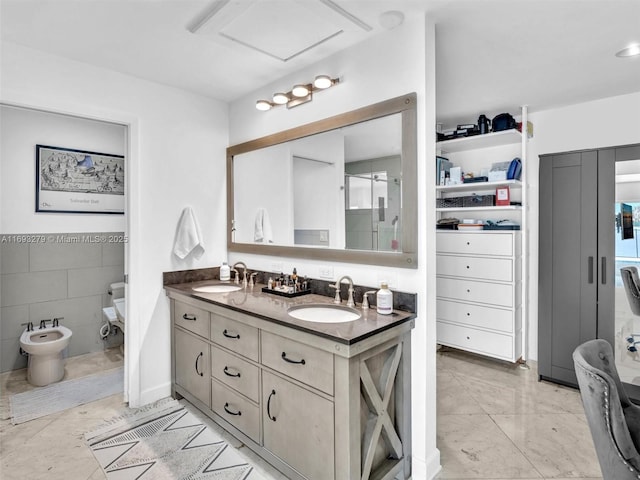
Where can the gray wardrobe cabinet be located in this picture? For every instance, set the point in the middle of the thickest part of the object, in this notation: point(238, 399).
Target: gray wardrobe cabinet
point(576, 257)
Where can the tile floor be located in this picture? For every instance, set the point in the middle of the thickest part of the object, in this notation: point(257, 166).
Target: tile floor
point(495, 421)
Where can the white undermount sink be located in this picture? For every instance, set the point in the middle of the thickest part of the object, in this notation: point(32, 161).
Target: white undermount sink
point(217, 288)
point(324, 313)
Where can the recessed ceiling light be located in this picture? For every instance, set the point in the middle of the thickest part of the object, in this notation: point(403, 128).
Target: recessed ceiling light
point(631, 51)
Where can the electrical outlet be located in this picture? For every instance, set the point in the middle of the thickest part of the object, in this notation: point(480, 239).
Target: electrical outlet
point(325, 272)
point(276, 267)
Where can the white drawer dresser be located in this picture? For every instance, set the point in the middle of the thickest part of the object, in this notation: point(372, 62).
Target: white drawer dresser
point(479, 301)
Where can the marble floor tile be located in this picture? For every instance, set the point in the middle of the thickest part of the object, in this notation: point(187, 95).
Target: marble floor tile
point(558, 445)
point(526, 397)
point(453, 396)
point(472, 446)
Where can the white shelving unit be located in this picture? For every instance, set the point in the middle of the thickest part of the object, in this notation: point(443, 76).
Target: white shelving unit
point(472, 154)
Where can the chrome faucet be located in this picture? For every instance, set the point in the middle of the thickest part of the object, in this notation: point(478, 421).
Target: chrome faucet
point(244, 272)
point(338, 299)
point(365, 299)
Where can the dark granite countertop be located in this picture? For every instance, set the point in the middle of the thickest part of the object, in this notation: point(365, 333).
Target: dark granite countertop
point(273, 308)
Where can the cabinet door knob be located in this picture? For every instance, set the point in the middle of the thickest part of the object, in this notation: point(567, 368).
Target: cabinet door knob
point(468, 267)
point(468, 290)
point(226, 409)
point(226, 334)
point(299, 362)
point(468, 314)
point(273, 419)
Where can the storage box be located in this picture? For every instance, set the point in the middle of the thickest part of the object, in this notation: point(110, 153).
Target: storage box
point(450, 202)
point(479, 201)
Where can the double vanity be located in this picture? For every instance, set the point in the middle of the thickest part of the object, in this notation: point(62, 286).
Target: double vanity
point(321, 391)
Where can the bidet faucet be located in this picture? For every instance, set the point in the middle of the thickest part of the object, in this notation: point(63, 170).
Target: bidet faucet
point(338, 299)
point(29, 326)
point(43, 323)
point(56, 322)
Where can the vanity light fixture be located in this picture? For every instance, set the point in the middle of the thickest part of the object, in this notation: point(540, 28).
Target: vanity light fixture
point(299, 94)
point(631, 51)
point(280, 98)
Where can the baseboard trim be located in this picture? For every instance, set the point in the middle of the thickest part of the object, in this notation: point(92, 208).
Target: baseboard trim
point(154, 394)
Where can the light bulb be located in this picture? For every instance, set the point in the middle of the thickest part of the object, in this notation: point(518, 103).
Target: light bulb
point(322, 81)
point(263, 105)
point(280, 98)
point(300, 90)
point(630, 51)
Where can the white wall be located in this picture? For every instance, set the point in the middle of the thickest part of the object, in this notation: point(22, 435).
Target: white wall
point(176, 152)
point(21, 130)
point(389, 65)
point(602, 123)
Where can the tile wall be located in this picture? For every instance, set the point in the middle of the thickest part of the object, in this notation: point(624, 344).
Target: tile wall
point(57, 275)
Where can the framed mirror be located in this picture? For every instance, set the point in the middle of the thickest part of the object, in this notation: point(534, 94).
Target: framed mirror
point(341, 189)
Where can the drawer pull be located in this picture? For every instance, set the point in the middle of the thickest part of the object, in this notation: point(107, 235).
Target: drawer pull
point(189, 317)
point(468, 290)
point(468, 314)
point(273, 419)
point(226, 372)
point(298, 362)
point(226, 409)
point(197, 360)
point(226, 334)
point(468, 267)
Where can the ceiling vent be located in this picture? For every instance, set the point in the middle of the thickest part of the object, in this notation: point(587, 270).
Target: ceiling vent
point(279, 29)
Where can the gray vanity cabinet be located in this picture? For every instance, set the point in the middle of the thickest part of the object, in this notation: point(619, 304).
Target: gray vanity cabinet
point(298, 427)
point(313, 406)
point(192, 365)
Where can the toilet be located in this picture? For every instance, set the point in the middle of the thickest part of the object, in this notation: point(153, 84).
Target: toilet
point(45, 348)
point(115, 314)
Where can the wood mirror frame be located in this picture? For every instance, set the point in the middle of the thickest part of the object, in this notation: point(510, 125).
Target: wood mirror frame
point(408, 257)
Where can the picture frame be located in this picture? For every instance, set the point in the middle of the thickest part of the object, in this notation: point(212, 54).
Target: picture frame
point(79, 181)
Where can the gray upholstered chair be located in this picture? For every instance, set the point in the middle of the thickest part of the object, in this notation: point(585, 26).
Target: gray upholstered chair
point(631, 284)
point(613, 420)
point(631, 287)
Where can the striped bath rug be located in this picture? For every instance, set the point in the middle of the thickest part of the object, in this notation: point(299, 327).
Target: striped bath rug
point(60, 396)
point(166, 442)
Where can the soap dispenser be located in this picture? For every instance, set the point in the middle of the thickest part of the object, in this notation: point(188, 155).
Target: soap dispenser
point(225, 272)
point(384, 300)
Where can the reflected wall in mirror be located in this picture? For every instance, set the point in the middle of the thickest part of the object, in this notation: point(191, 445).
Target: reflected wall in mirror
point(341, 189)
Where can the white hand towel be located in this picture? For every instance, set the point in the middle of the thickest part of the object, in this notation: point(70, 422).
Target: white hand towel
point(188, 237)
point(262, 231)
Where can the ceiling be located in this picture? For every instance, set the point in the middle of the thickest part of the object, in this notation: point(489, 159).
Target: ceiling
point(492, 55)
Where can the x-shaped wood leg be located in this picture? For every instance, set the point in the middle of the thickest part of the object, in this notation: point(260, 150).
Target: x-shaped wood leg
point(380, 422)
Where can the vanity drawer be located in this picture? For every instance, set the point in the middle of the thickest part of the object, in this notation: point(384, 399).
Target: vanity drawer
point(484, 268)
point(473, 291)
point(235, 372)
point(237, 337)
point(302, 362)
point(193, 319)
point(475, 315)
point(479, 341)
point(236, 409)
point(475, 243)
